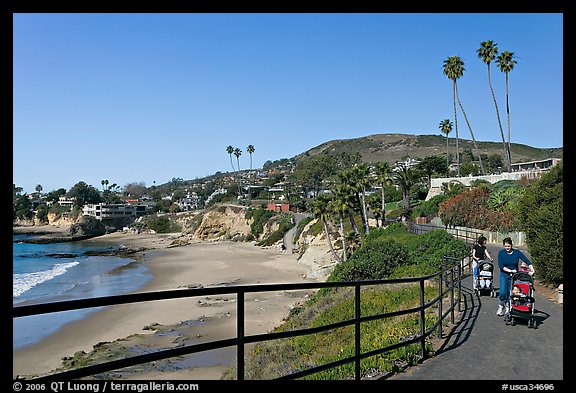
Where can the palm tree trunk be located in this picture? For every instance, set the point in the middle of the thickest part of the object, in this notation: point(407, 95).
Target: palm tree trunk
point(330, 241)
point(508, 114)
point(353, 222)
point(344, 257)
point(383, 216)
point(471, 133)
point(447, 155)
point(364, 213)
point(456, 127)
point(506, 156)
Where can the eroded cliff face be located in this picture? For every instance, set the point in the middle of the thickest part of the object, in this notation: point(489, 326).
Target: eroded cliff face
point(222, 222)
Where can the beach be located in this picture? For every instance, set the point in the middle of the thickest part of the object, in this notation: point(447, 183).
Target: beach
point(176, 264)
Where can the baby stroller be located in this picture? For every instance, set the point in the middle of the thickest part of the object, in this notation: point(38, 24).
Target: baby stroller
point(521, 305)
point(484, 278)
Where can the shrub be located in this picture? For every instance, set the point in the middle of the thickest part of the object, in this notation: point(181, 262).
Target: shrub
point(542, 216)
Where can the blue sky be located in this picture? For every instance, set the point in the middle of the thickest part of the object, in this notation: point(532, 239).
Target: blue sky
point(150, 97)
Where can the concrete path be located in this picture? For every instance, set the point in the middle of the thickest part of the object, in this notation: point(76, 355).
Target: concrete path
point(483, 347)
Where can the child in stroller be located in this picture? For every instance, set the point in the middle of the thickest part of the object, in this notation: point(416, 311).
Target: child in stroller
point(521, 299)
point(483, 278)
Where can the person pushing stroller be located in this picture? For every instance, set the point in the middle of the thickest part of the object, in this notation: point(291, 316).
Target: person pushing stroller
point(508, 260)
point(480, 254)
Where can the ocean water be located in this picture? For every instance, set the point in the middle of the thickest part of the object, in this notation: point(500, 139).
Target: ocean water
point(43, 273)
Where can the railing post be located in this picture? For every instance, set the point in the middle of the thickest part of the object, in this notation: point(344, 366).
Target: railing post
point(357, 331)
point(422, 321)
point(459, 279)
point(441, 279)
point(240, 336)
point(452, 294)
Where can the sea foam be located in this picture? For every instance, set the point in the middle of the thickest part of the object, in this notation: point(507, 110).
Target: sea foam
point(23, 282)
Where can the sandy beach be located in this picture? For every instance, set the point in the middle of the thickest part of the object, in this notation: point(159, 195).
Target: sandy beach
point(190, 265)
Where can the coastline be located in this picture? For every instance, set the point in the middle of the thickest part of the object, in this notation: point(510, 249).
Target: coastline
point(174, 266)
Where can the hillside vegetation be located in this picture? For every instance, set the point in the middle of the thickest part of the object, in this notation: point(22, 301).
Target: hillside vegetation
point(394, 147)
point(412, 256)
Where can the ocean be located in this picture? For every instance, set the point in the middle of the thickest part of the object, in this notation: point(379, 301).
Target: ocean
point(43, 273)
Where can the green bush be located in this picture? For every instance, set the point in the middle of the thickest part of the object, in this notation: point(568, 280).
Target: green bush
point(372, 261)
point(542, 215)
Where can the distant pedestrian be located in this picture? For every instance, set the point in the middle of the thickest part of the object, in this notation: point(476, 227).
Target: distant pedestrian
point(508, 260)
point(479, 254)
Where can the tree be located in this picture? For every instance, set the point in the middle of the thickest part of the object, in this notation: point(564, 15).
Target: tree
point(230, 151)
point(84, 194)
point(455, 69)
point(320, 209)
point(104, 183)
point(506, 63)
point(383, 174)
point(361, 179)
point(340, 205)
point(406, 177)
point(38, 189)
point(446, 128)
point(430, 165)
point(250, 149)
point(452, 72)
point(237, 154)
point(487, 52)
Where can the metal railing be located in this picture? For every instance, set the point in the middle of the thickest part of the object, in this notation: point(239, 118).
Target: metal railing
point(448, 280)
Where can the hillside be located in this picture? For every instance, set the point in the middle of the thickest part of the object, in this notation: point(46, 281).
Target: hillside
point(394, 147)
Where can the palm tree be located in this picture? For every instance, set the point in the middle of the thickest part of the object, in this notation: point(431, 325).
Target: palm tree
point(250, 149)
point(230, 150)
point(353, 241)
point(406, 177)
point(104, 182)
point(345, 178)
point(456, 70)
point(340, 204)
point(506, 64)
point(487, 52)
point(446, 128)
point(383, 174)
point(320, 209)
point(238, 153)
point(451, 71)
point(361, 179)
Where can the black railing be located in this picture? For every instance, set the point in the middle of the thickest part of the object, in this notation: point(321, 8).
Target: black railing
point(448, 279)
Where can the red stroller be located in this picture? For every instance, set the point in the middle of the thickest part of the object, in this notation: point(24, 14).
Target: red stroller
point(521, 300)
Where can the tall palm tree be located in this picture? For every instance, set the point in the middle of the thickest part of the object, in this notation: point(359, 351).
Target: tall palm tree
point(454, 69)
point(383, 174)
point(451, 71)
point(250, 149)
point(506, 63)
point(446, 128)
point(487, 52)
point(230, 151)
point(238, 153)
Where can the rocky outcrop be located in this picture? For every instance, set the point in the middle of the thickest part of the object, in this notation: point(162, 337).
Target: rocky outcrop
point(221, 222)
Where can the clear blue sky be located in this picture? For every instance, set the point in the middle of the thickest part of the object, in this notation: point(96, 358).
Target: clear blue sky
point(151, 97)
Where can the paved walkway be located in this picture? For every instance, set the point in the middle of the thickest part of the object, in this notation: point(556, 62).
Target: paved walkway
point(483, 347)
